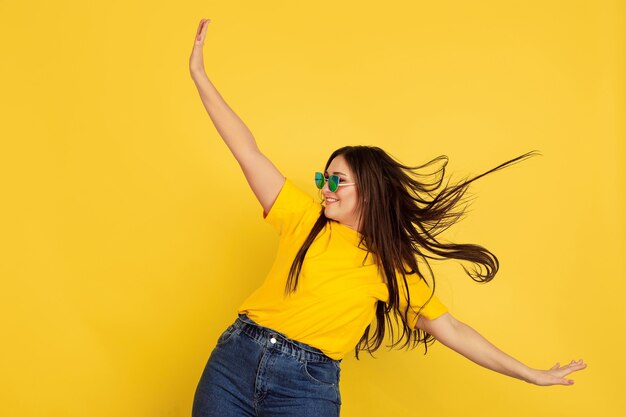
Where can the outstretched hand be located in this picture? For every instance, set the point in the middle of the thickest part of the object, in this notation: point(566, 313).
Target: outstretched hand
point(196, 62)
point(556, 374)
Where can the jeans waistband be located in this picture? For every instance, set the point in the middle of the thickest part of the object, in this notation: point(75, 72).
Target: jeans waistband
point(278, 341)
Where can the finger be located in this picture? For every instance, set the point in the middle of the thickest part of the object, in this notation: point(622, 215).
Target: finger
point(561, 380)
point(201, 32)
point(556, 380)
point(205, 26)
point(575, 367)
point(566, 370)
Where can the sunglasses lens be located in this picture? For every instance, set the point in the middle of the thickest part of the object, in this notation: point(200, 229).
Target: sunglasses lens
point(319, 180)
point(333, 181)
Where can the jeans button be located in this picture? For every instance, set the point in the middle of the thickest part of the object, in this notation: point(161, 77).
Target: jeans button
point(273, 340)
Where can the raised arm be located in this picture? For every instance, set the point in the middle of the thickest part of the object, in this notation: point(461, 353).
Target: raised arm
point(262, 176)
point(468, 342)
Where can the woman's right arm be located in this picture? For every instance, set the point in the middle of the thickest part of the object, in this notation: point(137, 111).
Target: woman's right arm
point(262, 175)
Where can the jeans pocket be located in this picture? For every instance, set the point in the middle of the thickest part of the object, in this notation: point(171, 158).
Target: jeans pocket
point(226, 335)
point(325, 373)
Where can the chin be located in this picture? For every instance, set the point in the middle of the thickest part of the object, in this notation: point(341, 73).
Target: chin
point(329, 216)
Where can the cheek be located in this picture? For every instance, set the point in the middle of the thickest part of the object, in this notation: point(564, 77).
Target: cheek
point(352, 202)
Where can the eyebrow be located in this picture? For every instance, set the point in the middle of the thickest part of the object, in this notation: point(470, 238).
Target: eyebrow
point(337, 172)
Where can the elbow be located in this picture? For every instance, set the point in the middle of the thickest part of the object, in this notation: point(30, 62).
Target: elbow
point(444, 328)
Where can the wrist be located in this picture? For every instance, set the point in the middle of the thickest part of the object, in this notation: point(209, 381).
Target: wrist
point(530, 375)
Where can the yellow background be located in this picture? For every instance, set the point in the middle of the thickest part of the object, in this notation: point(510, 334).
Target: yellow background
point(129, 235)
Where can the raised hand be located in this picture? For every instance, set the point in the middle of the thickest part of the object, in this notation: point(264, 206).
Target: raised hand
point(196, 62)
point(556, 374)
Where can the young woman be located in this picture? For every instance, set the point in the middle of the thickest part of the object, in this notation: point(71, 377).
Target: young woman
point(360, 255)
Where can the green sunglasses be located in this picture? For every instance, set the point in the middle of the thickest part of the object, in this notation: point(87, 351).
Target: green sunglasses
point(333, 181)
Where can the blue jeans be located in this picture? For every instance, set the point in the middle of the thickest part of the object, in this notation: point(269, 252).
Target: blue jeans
point(256, 371)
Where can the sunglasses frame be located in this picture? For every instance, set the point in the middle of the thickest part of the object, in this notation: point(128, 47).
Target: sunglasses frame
point(333, 181)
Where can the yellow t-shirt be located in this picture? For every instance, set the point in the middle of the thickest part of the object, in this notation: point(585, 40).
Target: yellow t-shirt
point(337, 292)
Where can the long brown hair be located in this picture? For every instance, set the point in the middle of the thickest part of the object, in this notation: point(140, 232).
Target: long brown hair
point(403, 210)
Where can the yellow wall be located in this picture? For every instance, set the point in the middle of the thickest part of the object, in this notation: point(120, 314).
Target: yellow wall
point(129, 235)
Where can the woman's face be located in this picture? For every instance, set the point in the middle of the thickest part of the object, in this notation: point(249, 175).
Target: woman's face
point(341, 205)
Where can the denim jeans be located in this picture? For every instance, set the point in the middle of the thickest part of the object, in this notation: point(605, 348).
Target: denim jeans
point(258, 372)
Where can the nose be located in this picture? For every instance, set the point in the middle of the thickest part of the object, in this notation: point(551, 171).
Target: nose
point(325, 188)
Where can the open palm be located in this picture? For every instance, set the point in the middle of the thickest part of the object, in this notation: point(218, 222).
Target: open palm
point(196, 61)
point(556, 374)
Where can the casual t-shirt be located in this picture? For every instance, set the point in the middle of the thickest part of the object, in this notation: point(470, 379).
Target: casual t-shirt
point(338, 287)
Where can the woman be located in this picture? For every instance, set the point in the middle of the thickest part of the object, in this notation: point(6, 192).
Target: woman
point(360, 256)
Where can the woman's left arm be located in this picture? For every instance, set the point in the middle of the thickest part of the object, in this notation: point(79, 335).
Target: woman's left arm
point(461, 338)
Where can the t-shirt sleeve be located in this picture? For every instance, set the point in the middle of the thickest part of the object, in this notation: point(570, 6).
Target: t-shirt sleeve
point(293, 208)
point(420, 293)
